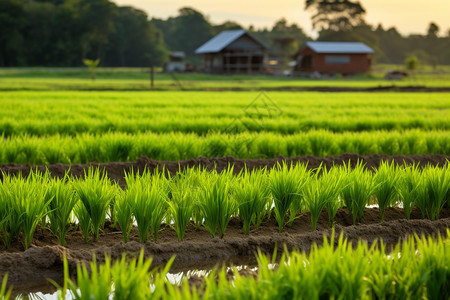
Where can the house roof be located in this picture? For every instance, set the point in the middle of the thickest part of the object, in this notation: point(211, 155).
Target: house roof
point(339, 47)
point(222, 40)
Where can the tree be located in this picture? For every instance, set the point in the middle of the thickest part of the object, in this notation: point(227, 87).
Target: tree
point(336, 15)
point(186, 32)
point(12, 16)
point(133, 38)
point(432, 31)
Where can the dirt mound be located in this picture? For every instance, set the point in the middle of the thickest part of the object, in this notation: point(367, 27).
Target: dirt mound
point(116, 170)
point(27, 269)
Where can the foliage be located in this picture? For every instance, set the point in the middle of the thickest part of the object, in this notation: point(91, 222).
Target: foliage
point(92, 65)
point(62, 201)
point(252, 196)
point(95, 193)
point(386, 181)
point(217, 202)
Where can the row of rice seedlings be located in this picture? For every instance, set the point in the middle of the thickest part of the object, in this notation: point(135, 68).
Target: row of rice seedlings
point(115, 146)
point(416, 268)
point(209, 199)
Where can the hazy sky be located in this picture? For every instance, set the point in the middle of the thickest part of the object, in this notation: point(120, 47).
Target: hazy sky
point(408, 16)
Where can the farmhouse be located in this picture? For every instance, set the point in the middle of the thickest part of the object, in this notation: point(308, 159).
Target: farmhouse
point(233, 51)
point(333, 57)
point(176, 62)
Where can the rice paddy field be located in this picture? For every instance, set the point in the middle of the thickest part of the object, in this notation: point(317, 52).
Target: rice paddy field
point(225, 187)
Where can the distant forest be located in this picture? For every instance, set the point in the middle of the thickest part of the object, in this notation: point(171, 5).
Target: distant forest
point(64, 32)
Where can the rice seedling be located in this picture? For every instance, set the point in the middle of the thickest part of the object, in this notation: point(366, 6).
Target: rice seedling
point(386, 181)
point(252, 196)
point(324, 192)
point(84, 220)
point(23, 206)
point(217, 202)
point(5, 294)
point(93, 282)
point(148, 200)
point(409, 185)
point(95, 192)
point(62, 201)
point(432, 193)
point(124, 214)
point(181, 205)
point(285, 186)
point(131, 278)
point(359, 186)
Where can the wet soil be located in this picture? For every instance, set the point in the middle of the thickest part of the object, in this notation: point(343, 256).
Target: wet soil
point(115, 170)
point(28, 269)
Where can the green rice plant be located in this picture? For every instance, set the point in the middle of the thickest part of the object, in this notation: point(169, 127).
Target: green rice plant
point(285, 185)
point(359, 187)
point(95, 192)
point(23, 206)
point(5, 294)
point(217, 202)
point(409, 185)
point(131, 278)
point(124, 214)
point(386, 180)
point(181, 206)
point(324, 192)
point(93, 282)
point(432, 193)
point(434, 266)
point(252, 196)
point(84, 220)
point(148, 198)
point(62, 201)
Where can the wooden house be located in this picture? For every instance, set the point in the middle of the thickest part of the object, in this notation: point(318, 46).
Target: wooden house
point(333, 57)
point(233, 51)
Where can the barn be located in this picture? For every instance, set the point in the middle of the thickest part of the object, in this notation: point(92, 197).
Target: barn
point(333, 57)
point(233, 51)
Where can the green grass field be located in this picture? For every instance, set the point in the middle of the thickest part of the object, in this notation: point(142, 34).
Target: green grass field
point(130, 79)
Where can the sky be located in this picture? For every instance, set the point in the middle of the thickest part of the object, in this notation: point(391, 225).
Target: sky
point(408, 16)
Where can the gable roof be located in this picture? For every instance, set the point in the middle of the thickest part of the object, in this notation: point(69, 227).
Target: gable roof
point(222, 40)
point(339, 47)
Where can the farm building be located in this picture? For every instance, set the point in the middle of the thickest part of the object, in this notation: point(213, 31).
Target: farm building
point(333, 57)
point(233, 51)
point(176, 62)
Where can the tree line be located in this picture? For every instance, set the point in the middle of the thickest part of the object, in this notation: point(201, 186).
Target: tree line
point(63, 33)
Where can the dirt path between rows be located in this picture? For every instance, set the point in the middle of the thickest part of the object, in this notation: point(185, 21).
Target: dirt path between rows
point(28, 269)
point(115, 170)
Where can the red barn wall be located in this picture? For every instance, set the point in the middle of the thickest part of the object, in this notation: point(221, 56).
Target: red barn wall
point(359, 63)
